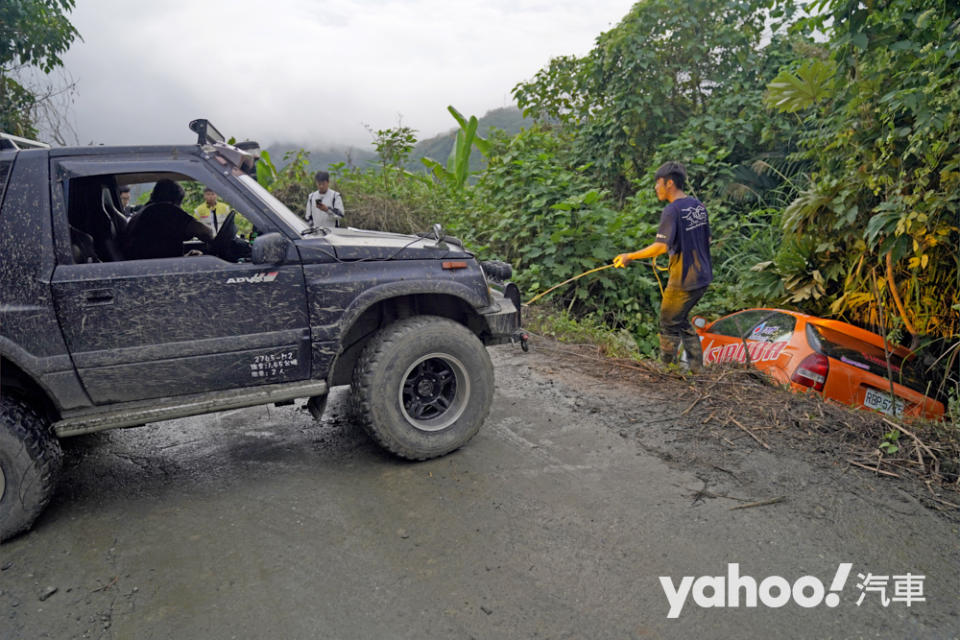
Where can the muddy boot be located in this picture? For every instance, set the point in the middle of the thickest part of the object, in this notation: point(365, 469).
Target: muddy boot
point(668, 349)
point(691, 344)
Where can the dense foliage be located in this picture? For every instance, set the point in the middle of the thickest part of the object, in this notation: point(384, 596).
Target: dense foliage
point(881, 115)
point(823, 138)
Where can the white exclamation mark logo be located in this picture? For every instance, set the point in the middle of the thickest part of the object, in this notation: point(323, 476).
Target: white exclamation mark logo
point(843, 572)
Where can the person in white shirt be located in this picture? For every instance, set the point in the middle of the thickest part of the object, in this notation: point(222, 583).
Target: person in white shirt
point(324, 206)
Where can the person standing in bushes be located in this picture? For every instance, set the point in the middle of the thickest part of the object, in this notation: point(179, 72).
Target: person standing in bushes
point(324, 206)
point(211, 211)
point(684, 233)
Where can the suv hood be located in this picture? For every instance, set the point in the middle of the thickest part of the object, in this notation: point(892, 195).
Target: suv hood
point(359, 244)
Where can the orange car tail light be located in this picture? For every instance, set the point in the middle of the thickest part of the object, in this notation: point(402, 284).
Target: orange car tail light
point(812, 372)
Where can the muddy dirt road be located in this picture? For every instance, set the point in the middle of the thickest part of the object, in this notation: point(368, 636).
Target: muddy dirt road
point(556, 521)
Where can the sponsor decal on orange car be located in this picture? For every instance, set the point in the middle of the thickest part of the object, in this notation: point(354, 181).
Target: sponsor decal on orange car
point(759, 352)
point(859, 365)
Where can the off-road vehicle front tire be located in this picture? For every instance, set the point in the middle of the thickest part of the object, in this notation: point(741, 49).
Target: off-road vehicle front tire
point(30, 459)
point(422, 387)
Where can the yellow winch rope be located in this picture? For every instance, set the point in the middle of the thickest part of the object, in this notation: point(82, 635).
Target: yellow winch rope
point(557, 286)
point(653, 263)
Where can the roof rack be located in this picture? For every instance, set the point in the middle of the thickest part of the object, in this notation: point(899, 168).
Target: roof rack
point(9, 141)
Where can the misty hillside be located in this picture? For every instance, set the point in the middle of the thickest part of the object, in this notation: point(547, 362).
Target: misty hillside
point(438, 147)
point(321, 159)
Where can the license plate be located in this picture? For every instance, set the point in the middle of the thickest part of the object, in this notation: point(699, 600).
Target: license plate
point(881, 402)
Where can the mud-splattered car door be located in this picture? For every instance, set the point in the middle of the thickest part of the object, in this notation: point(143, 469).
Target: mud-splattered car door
point(141, 329)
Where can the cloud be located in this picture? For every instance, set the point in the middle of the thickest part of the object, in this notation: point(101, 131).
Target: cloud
point(298, 70)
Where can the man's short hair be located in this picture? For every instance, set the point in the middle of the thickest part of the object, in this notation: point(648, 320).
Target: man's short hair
point(209, 190)
point(322, 176)
point(167, 191)
point(672, 171)
point(123, 189)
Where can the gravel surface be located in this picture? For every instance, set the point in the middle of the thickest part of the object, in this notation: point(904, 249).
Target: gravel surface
point(556, 521)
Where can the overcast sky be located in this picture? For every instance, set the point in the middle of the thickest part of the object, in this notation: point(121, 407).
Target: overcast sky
point(311, 72)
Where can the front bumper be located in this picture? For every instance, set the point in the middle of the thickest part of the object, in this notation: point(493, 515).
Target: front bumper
point(502, 317)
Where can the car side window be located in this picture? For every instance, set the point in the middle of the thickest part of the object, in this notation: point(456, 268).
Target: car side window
point(777, 327)
point(738, 324)
point(103, 226)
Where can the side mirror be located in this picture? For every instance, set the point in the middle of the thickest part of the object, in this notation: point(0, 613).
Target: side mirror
point(270, 248)
point(699, 322)
point(438, 232)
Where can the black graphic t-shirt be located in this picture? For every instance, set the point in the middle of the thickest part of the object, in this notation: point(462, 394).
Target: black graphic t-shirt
point(685, 229)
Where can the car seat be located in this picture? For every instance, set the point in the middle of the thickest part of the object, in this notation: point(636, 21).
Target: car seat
point(89, 213)
point(113, 212)
point(82, 245)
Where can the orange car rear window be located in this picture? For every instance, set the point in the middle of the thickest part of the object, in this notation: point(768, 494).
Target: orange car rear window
point(865, 356)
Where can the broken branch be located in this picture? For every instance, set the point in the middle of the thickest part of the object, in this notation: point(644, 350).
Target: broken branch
point(751, 434)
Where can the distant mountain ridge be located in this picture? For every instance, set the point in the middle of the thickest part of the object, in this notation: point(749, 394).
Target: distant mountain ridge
point(438, 147)
point(321, 159)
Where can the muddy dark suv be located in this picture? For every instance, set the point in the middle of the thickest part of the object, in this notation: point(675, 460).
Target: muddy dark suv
point(91, 340)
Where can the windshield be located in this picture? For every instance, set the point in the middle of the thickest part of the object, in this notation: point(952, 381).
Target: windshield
point(267, 198)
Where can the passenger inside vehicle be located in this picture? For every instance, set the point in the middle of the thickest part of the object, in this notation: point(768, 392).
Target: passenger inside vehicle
point(161, 227)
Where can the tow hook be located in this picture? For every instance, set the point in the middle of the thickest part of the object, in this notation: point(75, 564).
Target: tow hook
point(522, 337)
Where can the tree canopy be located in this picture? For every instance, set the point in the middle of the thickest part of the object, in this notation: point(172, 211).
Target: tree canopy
point(881, 133)
point(33, 33)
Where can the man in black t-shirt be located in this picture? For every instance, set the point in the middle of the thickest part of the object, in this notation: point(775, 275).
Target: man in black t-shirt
point(161, 227)
point(684, 233)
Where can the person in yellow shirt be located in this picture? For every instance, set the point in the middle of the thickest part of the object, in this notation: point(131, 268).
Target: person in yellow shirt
point(212, 212)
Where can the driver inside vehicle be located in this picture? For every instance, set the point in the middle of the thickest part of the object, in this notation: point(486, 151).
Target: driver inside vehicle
point(161, 227)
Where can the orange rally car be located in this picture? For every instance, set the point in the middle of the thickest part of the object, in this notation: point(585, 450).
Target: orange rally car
point(843, 362)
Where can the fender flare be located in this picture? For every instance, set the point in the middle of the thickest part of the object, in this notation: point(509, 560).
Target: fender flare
point(382, 292)
point(389, 291)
